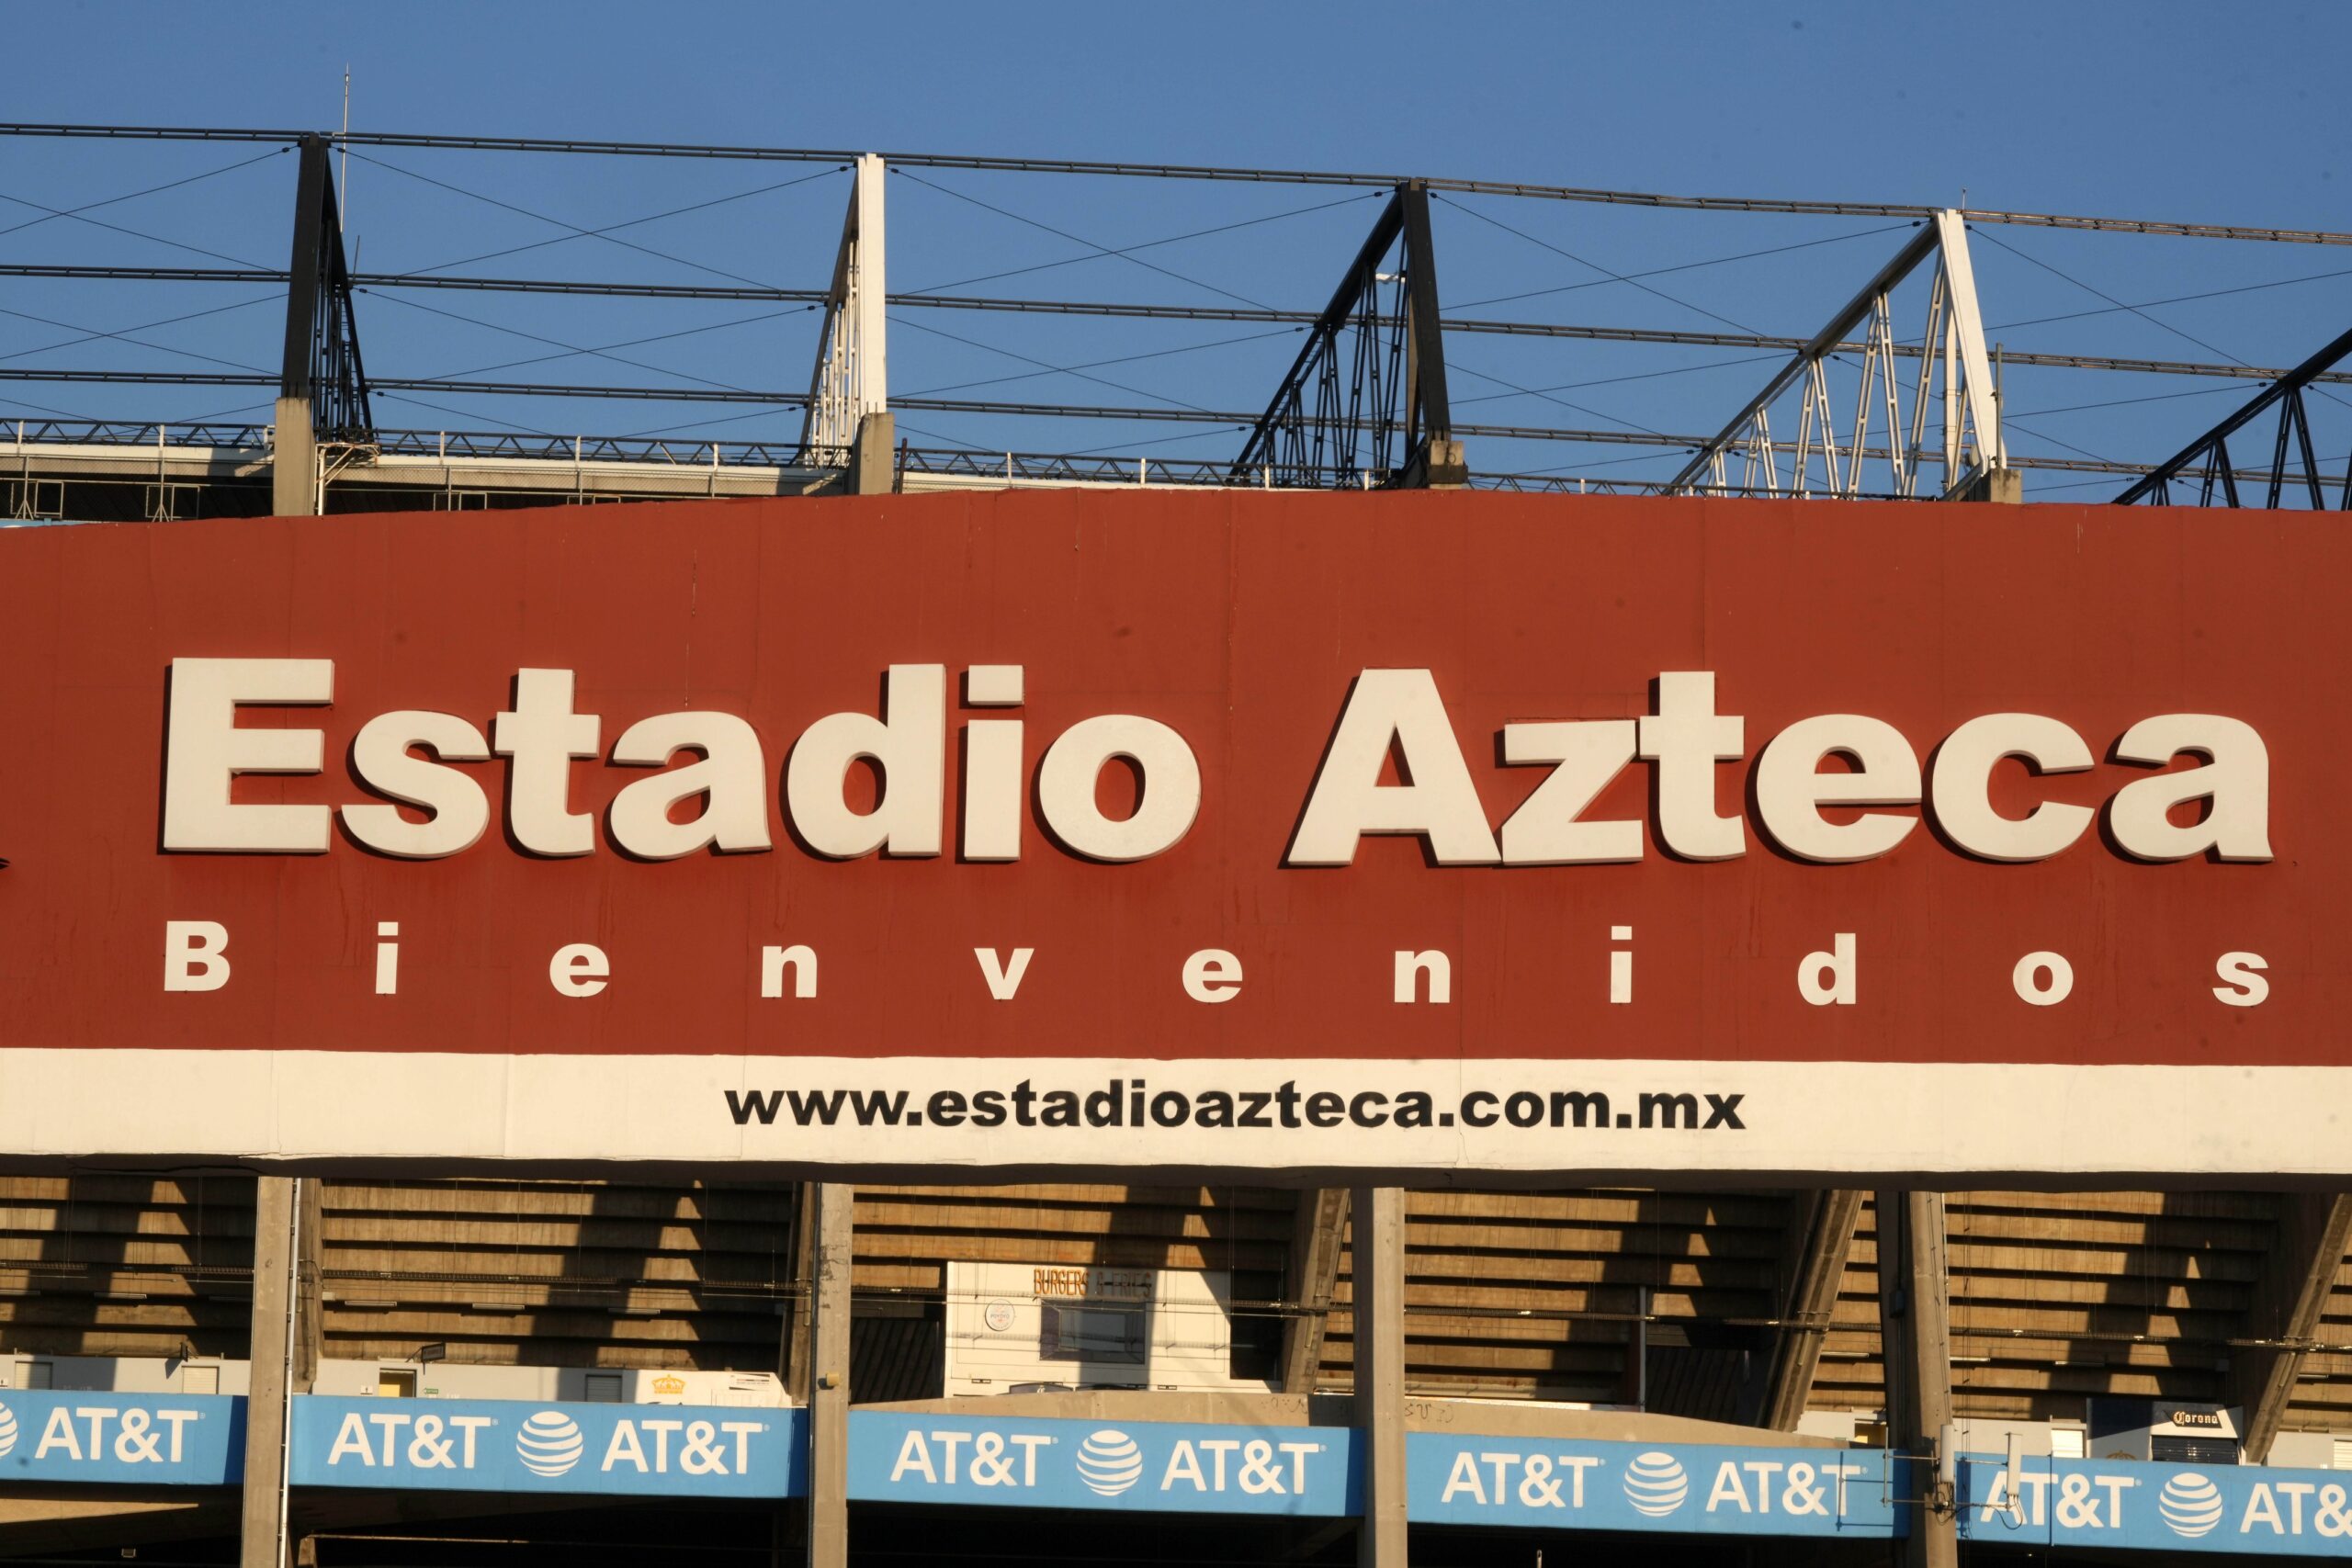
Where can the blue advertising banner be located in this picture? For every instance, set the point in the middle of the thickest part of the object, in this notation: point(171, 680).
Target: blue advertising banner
point(1139, 1467)
point(2252, 1509)
point(478, 1445)
point(123, 1439)
point(1689, 1489)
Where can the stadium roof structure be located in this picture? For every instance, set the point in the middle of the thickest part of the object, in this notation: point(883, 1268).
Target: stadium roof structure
point(1585, 340)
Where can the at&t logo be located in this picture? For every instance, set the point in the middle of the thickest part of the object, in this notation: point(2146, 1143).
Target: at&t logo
point(1109, 1462)
point(1655, 1485)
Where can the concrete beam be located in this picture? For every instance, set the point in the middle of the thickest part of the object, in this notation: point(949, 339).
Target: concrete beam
point(2289, 1300)
point(294, 461)
point(1376, 1252)
point(829, 1381)
point(1821, 1237)
point(1318, 1236)
point(1915, 1329)
point(873, 456)
point(276, 1298)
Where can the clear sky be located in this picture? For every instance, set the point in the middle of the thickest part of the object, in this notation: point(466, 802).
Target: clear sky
point(2187, 111)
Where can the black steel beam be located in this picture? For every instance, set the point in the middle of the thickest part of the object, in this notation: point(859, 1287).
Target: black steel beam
point(1194, 171)
point(2286, 390)
point(322, 361)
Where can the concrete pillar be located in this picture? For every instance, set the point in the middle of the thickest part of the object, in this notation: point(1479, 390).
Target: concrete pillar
point(1376, 1252)
point(2003, 485)
point(294, 462)
point(829, 1380)
point(873, 456)
point(1914, 1336)
point(276, 1248)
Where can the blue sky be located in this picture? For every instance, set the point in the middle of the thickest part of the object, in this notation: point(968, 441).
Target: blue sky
point(2198, 112)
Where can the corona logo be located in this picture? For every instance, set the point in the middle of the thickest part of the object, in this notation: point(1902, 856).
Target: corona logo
point(669, 1384)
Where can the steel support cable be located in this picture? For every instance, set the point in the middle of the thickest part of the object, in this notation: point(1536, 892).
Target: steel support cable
point(1910, 349)
point(575, 350)
point(1610, 277)
point(2174, 300)
point(134, 233)
point(605, 229)
point(1193, 172)
point(460, 413)
point(1596, 267)
point(1124, 255)
point(1046, 369)
point(91, 335)
point(2137, 310)
point(1079, 369)
point(927, 295)
point(151, 190)
point(1613, 381)
point(1518, 391)
point(577, 230)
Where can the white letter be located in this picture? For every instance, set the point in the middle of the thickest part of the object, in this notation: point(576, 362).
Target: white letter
point(1686, 739)
point(1620, 969)
point(543, 736)
point(379, 755)
point(1170, 778)
point(578, 969)
point(1003, 982)
point(1411, 965)
point(1959, 794)
point(1544, 829)
point(2236, 781)
point(913, 1456)
point(350, 1438)
point(1464, 1477)
point(1437, 802)
point(1838, 990)
point(196, 956)
point(911, 745)
point(1211, 974)
point(2062, 978)
point(388, 958)
point(2244, 987)
point(992, 765)
point(803, 960)
point(204, 750)
point(731, 776)
point(1789, 790)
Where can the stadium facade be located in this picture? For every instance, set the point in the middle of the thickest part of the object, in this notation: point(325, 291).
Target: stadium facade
point(1783, 1027)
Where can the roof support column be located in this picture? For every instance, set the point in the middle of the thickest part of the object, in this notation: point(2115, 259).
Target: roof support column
point(283, 1359)
point(829, 1378)
point(2289, 1300)
point(1313, 1273)
point(322, 390)
point(1914, 1336)
point(1822, 1236)
point(1376, 1253)
point(849, 393)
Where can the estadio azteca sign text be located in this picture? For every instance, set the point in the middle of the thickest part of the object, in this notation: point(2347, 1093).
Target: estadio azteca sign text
point(1318, 832)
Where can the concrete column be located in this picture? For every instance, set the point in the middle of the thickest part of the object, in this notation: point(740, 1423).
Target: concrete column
point(1376, 1252)
point(276, 1248)
point(294, 463)
point(1914, 1336)
point(873, 456)
point(829, 1380)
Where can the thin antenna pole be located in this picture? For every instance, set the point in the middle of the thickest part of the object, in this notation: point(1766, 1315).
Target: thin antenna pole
point(343, 197)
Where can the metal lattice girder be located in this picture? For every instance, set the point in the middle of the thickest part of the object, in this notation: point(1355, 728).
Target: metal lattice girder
point(322, 362)
point(2207, 458)
point(1366, 395)
point(1954, 369)
point(852, 375)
